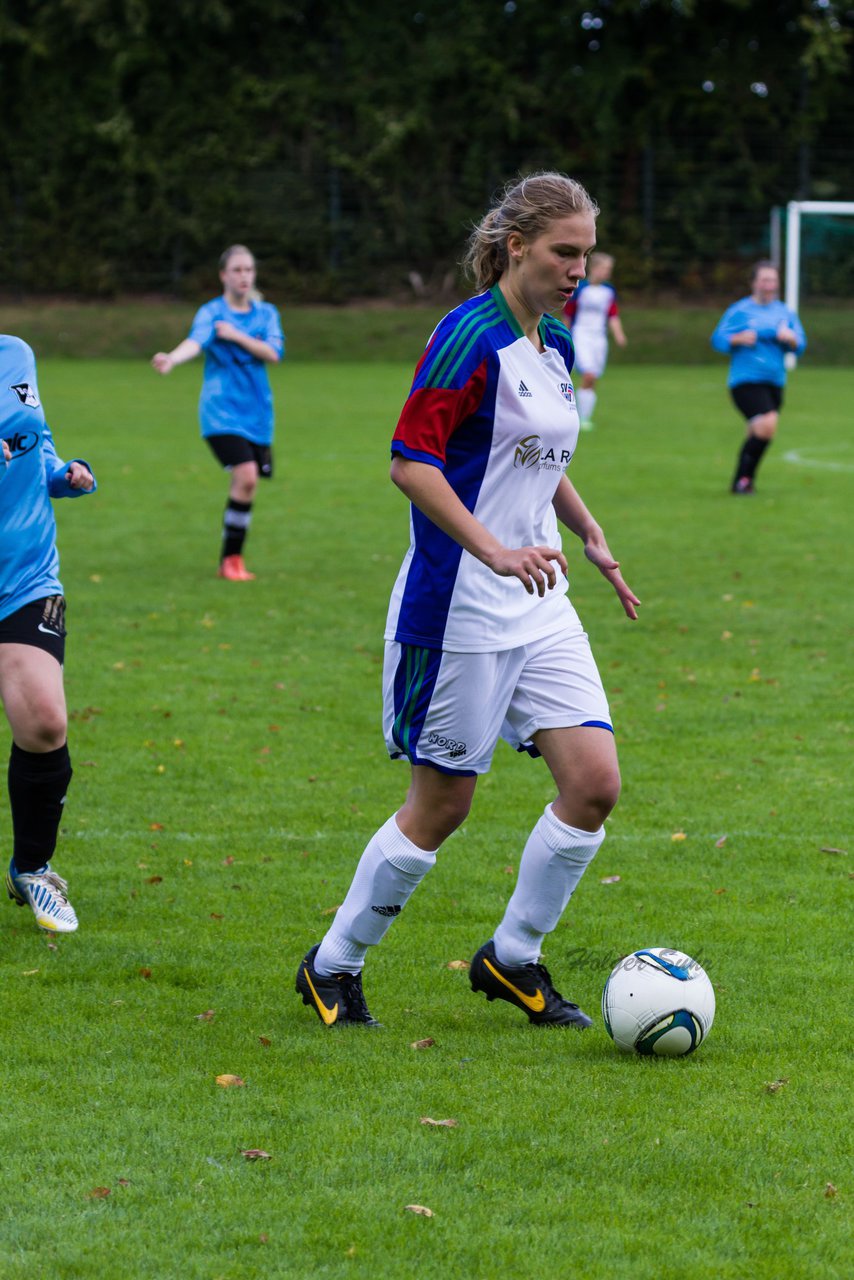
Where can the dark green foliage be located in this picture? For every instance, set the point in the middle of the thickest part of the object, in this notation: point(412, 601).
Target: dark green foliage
point(352, 144)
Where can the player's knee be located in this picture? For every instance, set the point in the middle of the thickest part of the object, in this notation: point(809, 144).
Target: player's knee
point(765, 426)
point(602, 791)
point(46, 729)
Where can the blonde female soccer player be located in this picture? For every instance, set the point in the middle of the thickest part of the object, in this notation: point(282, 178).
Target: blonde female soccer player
point(592, 313)
point(482, 641)
point(240, 335)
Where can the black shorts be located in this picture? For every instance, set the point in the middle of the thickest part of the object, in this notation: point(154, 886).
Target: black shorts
point(232, 450)
point(755, 398)
point(40, 623)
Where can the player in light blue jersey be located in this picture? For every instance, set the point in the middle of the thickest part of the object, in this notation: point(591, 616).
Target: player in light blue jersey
point(240, 335)
point(32, 635)
point(757, 333)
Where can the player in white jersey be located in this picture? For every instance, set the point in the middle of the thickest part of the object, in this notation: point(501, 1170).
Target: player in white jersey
point(590, 313)
point(482, 641)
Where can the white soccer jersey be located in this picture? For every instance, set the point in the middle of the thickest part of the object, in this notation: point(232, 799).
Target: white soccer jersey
point(500, 420)
point(590, 308)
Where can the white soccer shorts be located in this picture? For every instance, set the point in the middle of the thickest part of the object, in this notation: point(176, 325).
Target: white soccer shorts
point(591, 353)
point(449, 709)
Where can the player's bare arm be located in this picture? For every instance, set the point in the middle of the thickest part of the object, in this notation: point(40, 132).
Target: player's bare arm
point(229, 332)
point(426, 487)
point(165, 361)
point(572, 512)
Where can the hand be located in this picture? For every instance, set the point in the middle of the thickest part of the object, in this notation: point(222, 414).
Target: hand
point(533, 566)
point(227, 331)
point(162, 362)
point(80, 477)
point(597, 553)
point(787, 336)
point(7, 452)
point(747, 338)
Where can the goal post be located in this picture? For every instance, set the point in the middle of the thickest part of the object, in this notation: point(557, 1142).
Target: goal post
point(795, 211)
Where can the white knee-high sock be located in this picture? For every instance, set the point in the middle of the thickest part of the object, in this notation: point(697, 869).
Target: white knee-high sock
point(389, 872)
point(586, 403)
point(555, 858)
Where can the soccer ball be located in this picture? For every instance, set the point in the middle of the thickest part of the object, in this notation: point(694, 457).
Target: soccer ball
point(658, 1001)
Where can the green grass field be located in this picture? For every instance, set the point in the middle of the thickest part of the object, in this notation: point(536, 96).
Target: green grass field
point(228, 769)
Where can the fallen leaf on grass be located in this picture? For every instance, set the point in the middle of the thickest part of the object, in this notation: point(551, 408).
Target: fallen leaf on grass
point(329, 911)
point(458, 964)
point(774, 1086)
point(207, 1016)
point(154, 880)
point(828, 848)
point(265, 1041)
point(829, 1191)
point(719, 891)
point(263, 1238)
point(226, 862)
point(510, 871)
point(678, 835)
point(610, 880)
point(229, 1082)
point(420, 1209)
point(217, 915)
point(99, 1193)
point(145, 972)
point(28, 973)
point(123, 1182)
point(423, 1044)
point(255, 1153)
point(438, 1124)
point(51, 946)
point(719, 844)
point(156, 826)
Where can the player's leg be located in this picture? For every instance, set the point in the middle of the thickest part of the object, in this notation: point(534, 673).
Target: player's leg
point(39, 772)
point(395, 861)
point(237, 456)
point(438, 714)
point(560, 683)
point(760, 404)
point(587, 401)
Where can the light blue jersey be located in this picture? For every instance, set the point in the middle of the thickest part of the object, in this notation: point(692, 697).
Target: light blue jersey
point(236, 399)
point(29, 562)
point(765, 361)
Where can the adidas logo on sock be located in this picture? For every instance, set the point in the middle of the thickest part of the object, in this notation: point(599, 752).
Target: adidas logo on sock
point(523, 390)
point(387, 911)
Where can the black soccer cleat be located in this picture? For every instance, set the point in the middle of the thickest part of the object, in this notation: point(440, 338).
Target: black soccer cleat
point(528, 986)
point(743, 485)
point(337, 999)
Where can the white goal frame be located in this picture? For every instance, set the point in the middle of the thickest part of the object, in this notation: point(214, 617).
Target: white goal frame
point(795, 211)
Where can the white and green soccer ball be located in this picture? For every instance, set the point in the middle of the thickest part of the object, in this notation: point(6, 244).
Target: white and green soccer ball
point(658, 1001)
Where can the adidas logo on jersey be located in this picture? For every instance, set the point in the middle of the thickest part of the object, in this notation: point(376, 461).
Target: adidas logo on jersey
point(523, 390)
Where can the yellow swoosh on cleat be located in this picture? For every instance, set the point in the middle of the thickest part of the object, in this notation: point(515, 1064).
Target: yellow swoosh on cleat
point(535, 1003)
point(328, 1015)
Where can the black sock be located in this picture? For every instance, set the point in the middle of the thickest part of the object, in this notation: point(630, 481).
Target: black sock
point(235, 526)
point(38, 782)
point(750, 456)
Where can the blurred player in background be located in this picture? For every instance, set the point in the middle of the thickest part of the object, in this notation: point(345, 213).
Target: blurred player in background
point(482, 641)
point(590, 313)
point(240, 335)
point(32, 636)
point(757, 333)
